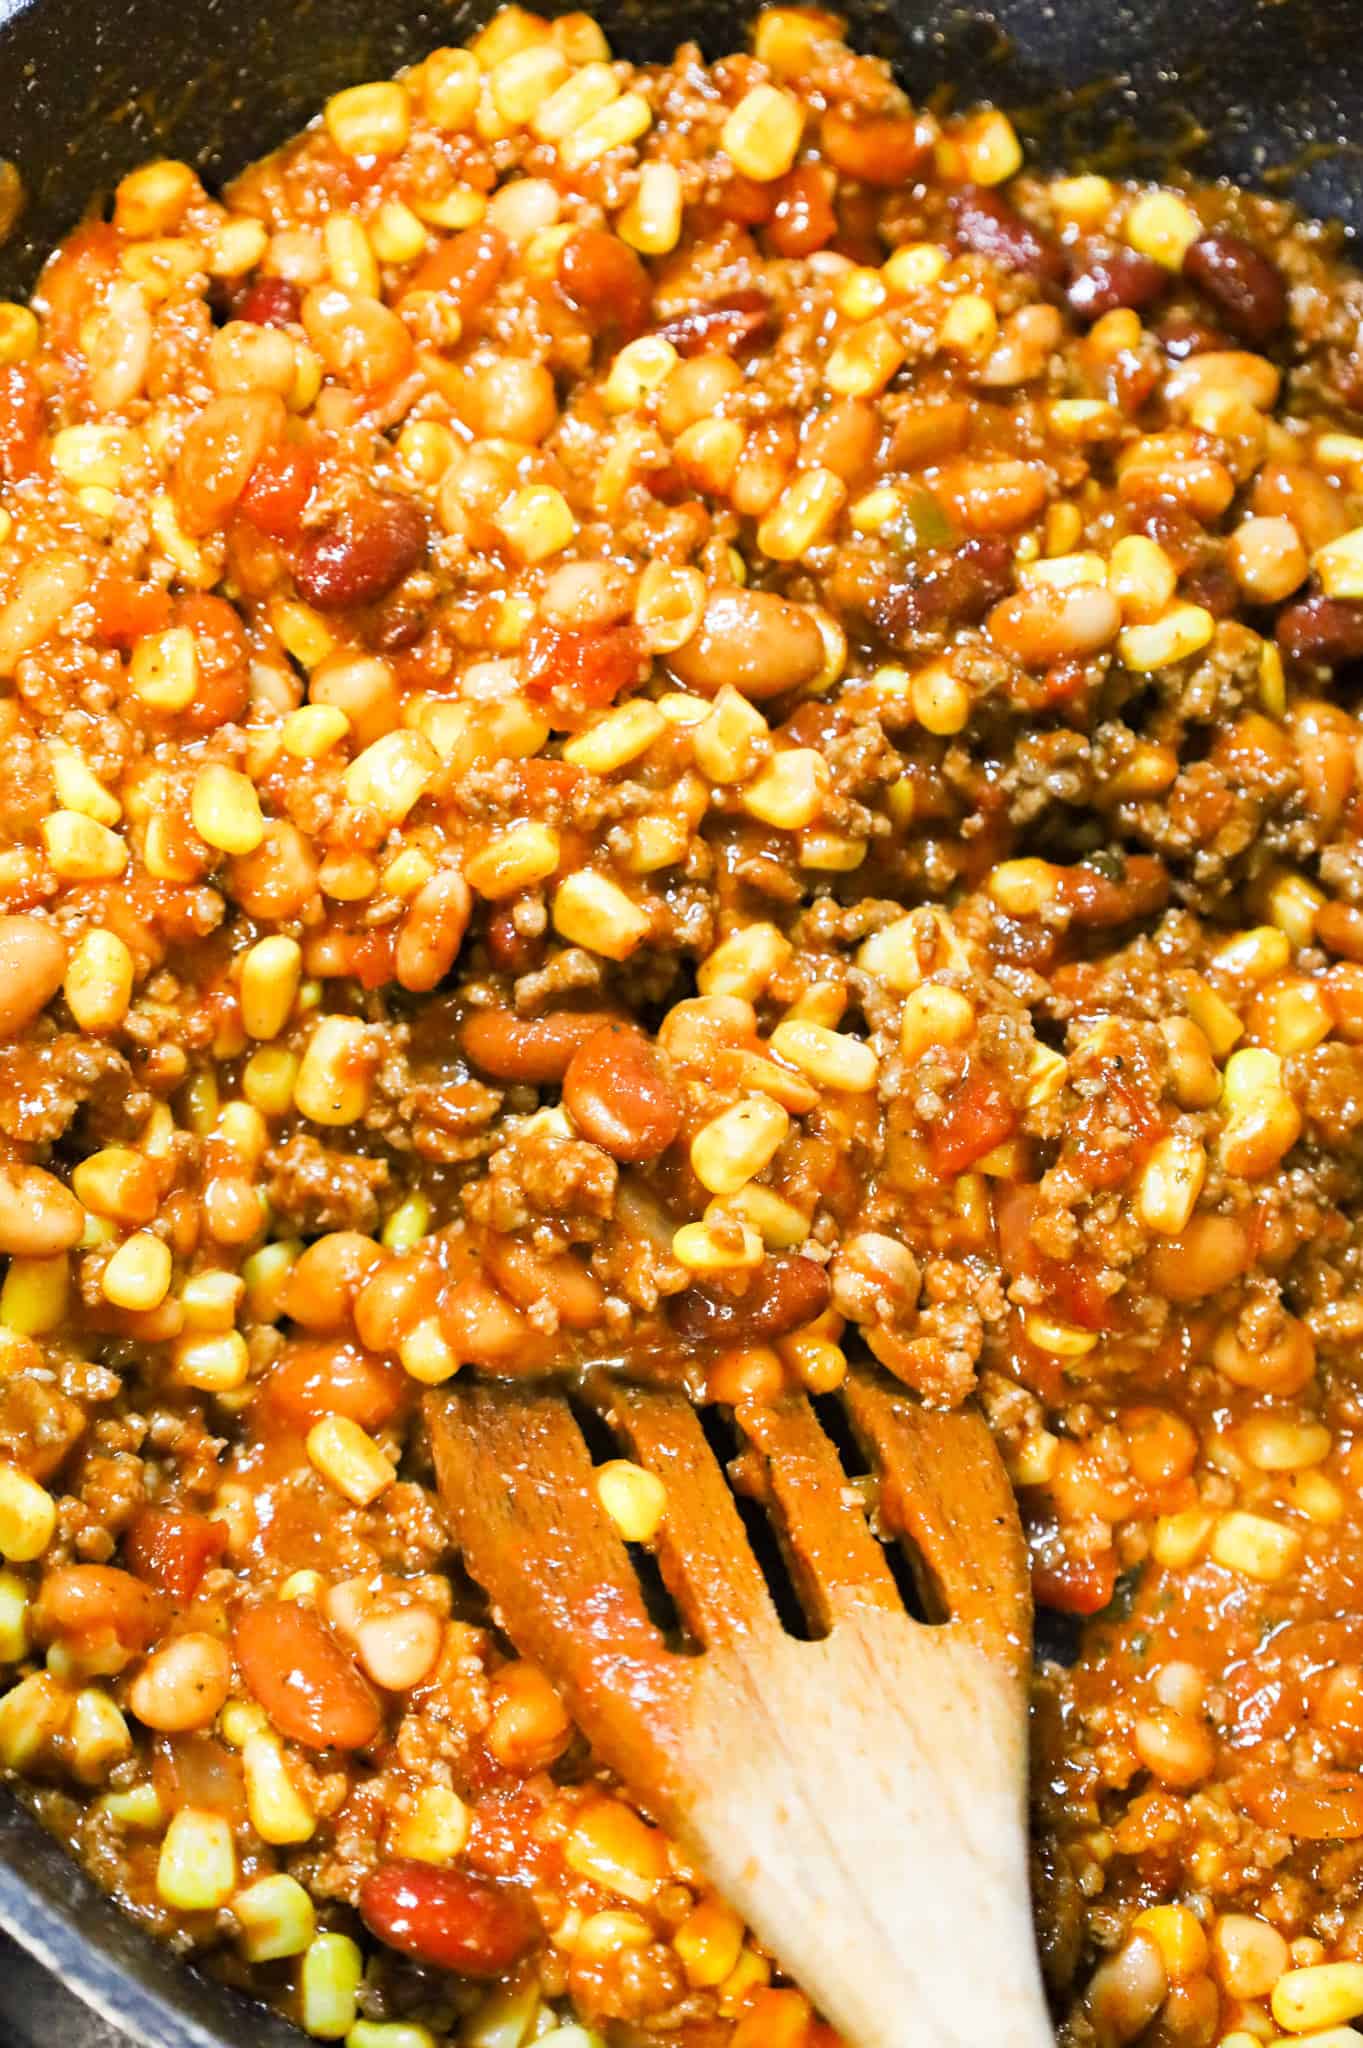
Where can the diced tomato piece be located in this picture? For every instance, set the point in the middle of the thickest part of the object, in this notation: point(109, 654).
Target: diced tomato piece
point(173, 1548)
point(220, 642)
point(582, 670)
point(978, 1117)
point(466, 268)
point(279, 488)
point(1074, 1585)
point(125, 611)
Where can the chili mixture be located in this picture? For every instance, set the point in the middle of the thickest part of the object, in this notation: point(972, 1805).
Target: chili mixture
point(673, 719)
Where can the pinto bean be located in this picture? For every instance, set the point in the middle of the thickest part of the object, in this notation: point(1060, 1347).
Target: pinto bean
point(32, 964)
point(804, 219)
point(183, 1684)
point(297, 1671)
point(314, 1380)
point(763, 645)
point(879, 149)
point(39, 1216)
point(1323, 629)
point(742, 321)
point(363, 554)
point(320, 1291)
point(1040, 625)
point(446, 1919)
point(786, 1292)
point(1244, 285)
point(1112, 278)
point(992, 228)
point(433, 931)
point(616, 1093)
point(532, 1049)
point(97, 1600)
point(603, 280)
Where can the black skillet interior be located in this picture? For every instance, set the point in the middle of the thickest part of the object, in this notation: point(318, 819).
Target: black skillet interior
point(1266, 91)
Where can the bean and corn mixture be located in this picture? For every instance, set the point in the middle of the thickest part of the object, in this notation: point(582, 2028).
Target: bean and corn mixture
point(673, 719)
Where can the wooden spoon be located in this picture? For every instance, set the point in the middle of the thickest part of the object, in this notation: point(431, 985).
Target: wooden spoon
point(859, 1797)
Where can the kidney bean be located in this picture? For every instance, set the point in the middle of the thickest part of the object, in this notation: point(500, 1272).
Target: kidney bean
point(532, 1049)
point(366, 550)
point(803, 220)
point(32, 964)
point(270, 302)
point(39, 1215)
point(465, 269)
point(446, 1919)
point(960, 587)
point(97, 1599)
point(1097, 899)
point(879, 149)
point(617, 1095)
point(1111, 278)
point(602, 279)
point(992, 228)
point(1211, 585)
point(1040, 626)
point(786, 1292)
point(312, 1381)
point(1181, 336)
point(173, 1548)
point(763, 645)
point(511, 950)
point(1324, 629)
point(297, 1671)
point(433, 931)
point(1244, 285)
point(741, 321)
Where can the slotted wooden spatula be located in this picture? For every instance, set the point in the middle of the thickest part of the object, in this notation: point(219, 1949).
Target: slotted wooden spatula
point(858, 1797)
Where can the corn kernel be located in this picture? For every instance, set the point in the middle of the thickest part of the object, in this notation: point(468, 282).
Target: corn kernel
point(634, 1499)
point(392, 775)
point(137, 1277)
point(1254, 1545)
point(99, 980)
point(435, 1829)
point(618, 738)
point(789, 792)
point(651, 223)
point(802, 515)
point(369, 120)
point(989, 144)
point(1170, 1183)
point(97, 1735)
point(1327, 1995)
point(934, 1015)
point(863, 362)
point(744, 962)
point(612, 1847)
point(32, 1714)
point(969, 327)
point(1163, 227)
point(516, 859)
point(831, 1059)
point(592, 911)
point(14, 1636)
point(270, 975)
point(761, 137)
point(226, 810)
point(197, 1868)
point(276, 1917)
point(35, 1294)
point(329, 1986)
point(709, 1943)
point(727, 744)
point(349, 1460)
point(536, 522)
point(19, 333)
point(1339, 565)
point(732, 1147)
point(623, 121)
point(333, 1076)
point(79, 849)
point(1177, 1934)
point(641, 367)
point(1182, 631)
point(1062, 1340)
point(1178, 1539)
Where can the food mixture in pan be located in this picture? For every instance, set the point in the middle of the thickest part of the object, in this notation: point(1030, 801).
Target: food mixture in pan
point(674, 717)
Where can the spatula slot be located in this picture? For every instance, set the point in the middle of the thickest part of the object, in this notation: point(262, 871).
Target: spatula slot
point(914, 1579)
point(765, 1539)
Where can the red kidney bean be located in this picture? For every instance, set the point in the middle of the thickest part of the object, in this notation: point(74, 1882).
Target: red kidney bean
point(445, 1919)
point(173, 1548)
point(532, 1049)
point(786, 1292)
point(1213, 587)
point(1324, 629)
point(961, 586)
point(616, 1093)
point(1112, 278)
point(466, 269)
point(804, 219)
point(511, 950)
point(742, 321)
point(993, 228)
point(270, 302)
point(1244, 285)
point(297, 1671)
point(604, 281)
point(366, 550)
point(97, 1599)
point(1181, 336)
point(279, 488)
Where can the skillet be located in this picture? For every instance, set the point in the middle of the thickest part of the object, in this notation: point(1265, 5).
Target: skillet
point(1268, 92)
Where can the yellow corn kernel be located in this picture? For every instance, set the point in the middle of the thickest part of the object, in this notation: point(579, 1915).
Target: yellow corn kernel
point(623, 121)
point(1316, 1496)
point(110, 457)
point(726, 744)
point(99, 980)
point(35, 1294)
point(216, 1364)
point(1085, 200)
point(872, 514)
point(14, 1603)
point(941, 701)
point(863, 362)
point(744, 962)
point(1182, 631)
point(137, 1276)
point(395, 233)
point(761, 137)
point(1170, 1183)
point(523, 81)
point(1254, 1545)
point(407, 1225)
point(1062, 1340)
point(651, 223)
point(802, 515)
point(831, 852)
point(1271, 1443)
point(19, 333)
point(778, 1223)
point(279, 1812)
point(197, 1868)
point(1339, 565)
point(641, 367)
point(1293, 905)
point(860, 292)
point(1047, 1073)
point(268, 1080)
point(536, 522)
point(329, 1986)
point(592, 911)
point(831, 1059)
point(1163, 227)
point(276, 1917)
point(333, 1075)
point(32, 1714)
point(934, 1015)
point(1215, 1019)
point(79, 789)
point(226, 810)
point(350, 256)
point(789, 792)
point(28, 1516)
point(969, 327)
point(434, 1829)
point(988, 142)
point(1254, 955)
point(579, 99)
point(1062, 572)
point(516, 859)
point(785, 38)
point(392, 775)
point(619, 737)
point(304, 633)
point(81, 850)
point(313, 730)
point(709, 1943)
point(349, 1460)
point(209, 1301)
point(634, 1499)
point(732, 1147)
point(401, 2034)
point(1178, 1539)
point(97, 1735)
point(270, 975)
point(612, 1847)
point(369, 120)
point(136, 1810)
point(1327, 1995)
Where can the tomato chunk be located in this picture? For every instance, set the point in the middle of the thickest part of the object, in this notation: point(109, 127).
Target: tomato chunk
point(978, 1117)
point(173, 1548)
